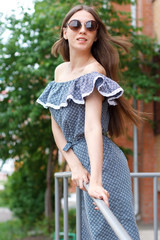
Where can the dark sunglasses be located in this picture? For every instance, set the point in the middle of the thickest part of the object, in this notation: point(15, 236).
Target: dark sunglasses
point(76, 25)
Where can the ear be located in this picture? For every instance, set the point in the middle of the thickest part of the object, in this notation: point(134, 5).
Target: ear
point(65, 33)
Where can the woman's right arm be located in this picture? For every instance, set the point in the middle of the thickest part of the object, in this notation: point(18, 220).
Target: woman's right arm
point(79, 173)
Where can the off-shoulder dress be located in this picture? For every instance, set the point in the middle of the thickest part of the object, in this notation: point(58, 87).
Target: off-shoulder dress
point(66, 102)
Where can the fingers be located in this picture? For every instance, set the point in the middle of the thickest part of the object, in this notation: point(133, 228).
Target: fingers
point(96, 208)
point(106, 200)
point(105, 197)
point(81, 186)
point(80, 180)
point(86, 179)
point(81, 183)
point(100, 193)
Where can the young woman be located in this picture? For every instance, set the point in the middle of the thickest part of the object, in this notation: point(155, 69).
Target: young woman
point(85, 104)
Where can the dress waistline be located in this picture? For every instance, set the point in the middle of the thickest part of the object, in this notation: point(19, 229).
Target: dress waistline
point(71, 143)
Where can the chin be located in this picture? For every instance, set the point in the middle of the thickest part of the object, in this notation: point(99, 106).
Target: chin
point(83, 47)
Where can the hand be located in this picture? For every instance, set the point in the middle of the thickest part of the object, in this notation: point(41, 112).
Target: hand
point(97, 191)
point(80, 175)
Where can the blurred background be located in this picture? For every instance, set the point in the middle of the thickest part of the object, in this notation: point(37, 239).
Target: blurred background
point(28, 154)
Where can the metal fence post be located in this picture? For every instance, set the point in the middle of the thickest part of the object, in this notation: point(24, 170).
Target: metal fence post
point(65, 218)
point(56, 208)
point(112, 220)
point(78, 214)
point(155, 205)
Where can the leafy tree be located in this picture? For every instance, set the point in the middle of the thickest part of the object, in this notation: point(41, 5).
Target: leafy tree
point(26, 66)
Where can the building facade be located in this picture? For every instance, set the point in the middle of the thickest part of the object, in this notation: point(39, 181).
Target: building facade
point(147, 17)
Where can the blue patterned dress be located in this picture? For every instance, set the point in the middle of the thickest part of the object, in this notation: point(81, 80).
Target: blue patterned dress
point(66, 102)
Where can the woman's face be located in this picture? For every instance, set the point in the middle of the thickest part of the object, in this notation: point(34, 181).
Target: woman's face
point(81, 39)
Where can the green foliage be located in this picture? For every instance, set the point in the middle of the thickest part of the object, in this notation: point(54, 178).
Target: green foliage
point(127, 151)
point(71, 221)
point(3, 201)
point(137, 66)
point(27, 200)
point(43, 225)
point(12, 230)
point(15, 229)
point(26, 66)
point(142, 70)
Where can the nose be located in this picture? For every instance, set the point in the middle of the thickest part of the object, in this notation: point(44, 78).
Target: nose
point(83, 28)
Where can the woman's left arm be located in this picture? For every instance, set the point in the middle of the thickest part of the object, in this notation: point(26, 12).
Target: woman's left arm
point(94, 139)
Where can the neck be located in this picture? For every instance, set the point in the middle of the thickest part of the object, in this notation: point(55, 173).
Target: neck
point(79, 60)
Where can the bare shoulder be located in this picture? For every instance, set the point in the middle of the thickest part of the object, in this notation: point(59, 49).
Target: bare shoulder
point(96, 67)
point(59, 70)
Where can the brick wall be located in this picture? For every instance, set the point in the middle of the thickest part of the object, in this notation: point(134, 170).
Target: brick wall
point(148, 142)
point(147, 164)
point(156, 18)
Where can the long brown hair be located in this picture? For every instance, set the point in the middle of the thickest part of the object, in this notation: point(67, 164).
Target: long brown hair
point(104, 51)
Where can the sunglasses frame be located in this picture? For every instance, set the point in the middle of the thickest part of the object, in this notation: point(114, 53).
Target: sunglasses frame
point(80, 25)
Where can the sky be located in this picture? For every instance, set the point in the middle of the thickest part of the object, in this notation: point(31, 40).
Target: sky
point(8, 167)
point(6, 6)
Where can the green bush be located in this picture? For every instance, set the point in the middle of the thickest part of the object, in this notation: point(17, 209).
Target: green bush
point(24, 193)
point(12, 230)
point(3, 201)
point(71, 221)
point(16, 229)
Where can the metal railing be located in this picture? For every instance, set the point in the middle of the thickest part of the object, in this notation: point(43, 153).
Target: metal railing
point(155, 177)
point(111, 219)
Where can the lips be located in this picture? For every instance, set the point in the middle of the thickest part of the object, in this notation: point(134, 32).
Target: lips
point(82, 39)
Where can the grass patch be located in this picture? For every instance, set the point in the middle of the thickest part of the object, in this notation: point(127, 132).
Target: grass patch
point(16, 230)
point(12, 230)
point(3, 202)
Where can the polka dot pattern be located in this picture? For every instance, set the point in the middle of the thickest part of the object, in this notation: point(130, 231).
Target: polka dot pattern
point(59, 94)
point(66, 101)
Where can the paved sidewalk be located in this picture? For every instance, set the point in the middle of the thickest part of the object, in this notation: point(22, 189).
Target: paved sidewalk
point(147, 231)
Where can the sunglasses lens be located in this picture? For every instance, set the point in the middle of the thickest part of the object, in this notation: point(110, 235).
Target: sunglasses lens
point(74, 25)
point(91, 25)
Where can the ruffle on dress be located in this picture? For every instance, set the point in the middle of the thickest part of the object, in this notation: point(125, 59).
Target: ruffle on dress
point(58, 94)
